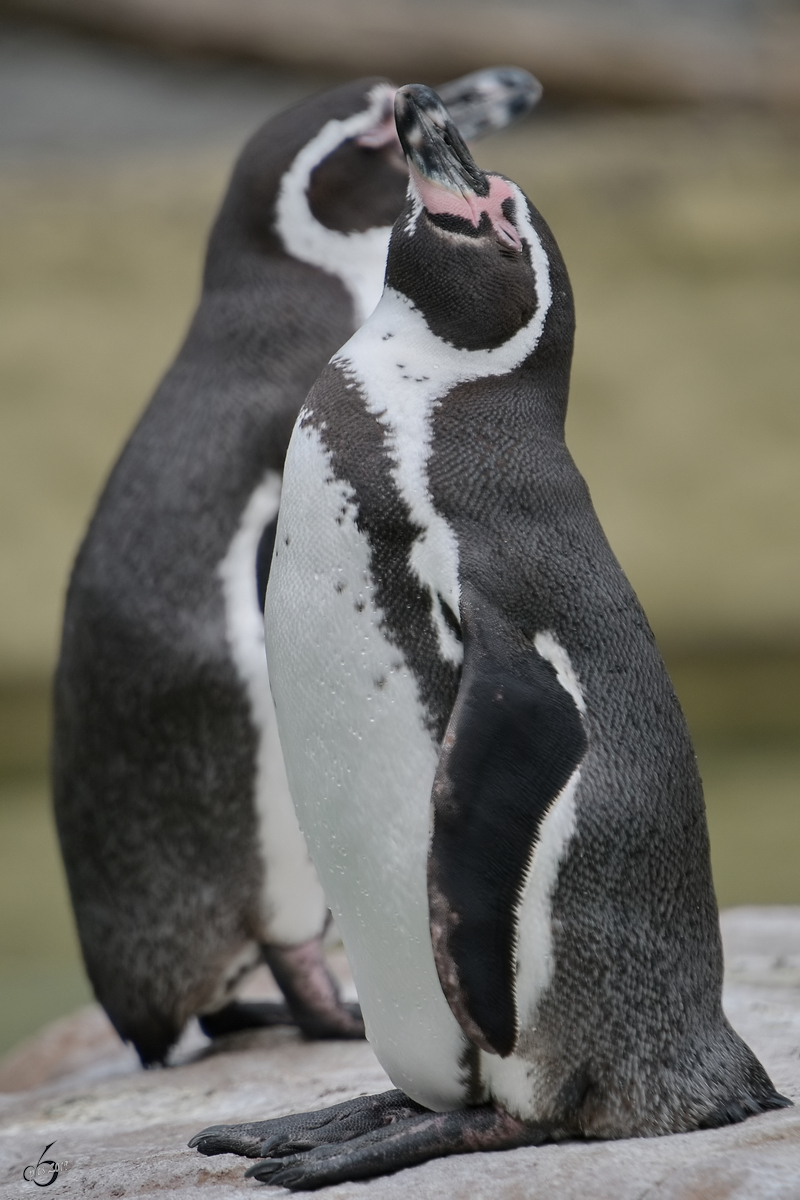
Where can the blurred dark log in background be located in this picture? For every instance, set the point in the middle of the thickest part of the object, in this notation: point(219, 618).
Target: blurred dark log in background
point(623, 49)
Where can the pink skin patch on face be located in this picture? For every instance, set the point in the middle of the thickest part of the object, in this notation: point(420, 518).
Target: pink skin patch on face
point(384, 133)
point(437, 198)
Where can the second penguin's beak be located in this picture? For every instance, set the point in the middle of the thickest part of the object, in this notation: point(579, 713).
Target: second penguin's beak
point(490, 99)
point(441, 168)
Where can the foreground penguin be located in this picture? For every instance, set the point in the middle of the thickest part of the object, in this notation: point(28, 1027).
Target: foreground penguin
point(183, 854)
point(488, 759)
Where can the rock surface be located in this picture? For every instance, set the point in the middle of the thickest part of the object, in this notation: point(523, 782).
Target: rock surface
point(123, 1132)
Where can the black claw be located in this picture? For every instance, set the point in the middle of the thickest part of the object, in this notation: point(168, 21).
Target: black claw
point(269, 1145)
point(228, 1139)
point(266, 1170)
point(293, 1180)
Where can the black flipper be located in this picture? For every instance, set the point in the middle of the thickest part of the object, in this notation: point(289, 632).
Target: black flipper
point(303, 1131)
point(514, 739)
point(404, 1143)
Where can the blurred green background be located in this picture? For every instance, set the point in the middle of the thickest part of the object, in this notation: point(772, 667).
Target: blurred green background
point(681, 229)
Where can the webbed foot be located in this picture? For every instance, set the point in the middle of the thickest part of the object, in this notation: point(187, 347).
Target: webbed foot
point(403, 1143)
point(245, 1014)
point(304, 1131)
point(313, 1002)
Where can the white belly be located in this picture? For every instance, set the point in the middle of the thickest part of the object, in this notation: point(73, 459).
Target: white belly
point(293, 905)
point(360, 764)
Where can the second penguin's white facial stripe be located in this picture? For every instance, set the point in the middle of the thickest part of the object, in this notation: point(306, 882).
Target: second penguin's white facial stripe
point(403, 371)
point(357, 259)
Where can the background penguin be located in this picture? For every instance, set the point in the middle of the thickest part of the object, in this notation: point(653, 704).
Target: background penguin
point(183, 854)
point(488, 759)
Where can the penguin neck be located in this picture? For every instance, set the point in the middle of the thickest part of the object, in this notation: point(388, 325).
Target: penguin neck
point(358, 259)
point(443, 364)
point(397, 349)
point(529, 402)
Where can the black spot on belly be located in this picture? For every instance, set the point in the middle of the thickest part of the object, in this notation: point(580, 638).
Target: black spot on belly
point(264, 560)
point(451, 620)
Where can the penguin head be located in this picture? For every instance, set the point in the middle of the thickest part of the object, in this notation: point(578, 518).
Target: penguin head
point(362, 182)
point(324, 181)
point(315, 144)
point(462, 250)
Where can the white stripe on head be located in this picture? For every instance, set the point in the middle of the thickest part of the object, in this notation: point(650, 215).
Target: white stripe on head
point(417, 206)
point(357, 259)
point(403, 371)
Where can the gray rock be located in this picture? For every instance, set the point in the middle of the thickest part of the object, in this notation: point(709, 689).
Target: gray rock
point(123, 1131)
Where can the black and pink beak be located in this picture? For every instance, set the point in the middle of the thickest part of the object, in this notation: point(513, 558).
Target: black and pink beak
point(488, 100)
point(443, 173)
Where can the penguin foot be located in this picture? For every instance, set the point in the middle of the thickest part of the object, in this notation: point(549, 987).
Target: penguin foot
point(245, 1014)
point(304, 1131)
point(403, 1143)
point(311, 992)
point(345, 1021)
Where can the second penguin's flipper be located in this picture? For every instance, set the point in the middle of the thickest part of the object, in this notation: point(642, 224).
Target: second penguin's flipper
point(514, 742)
point(303, 1131)
point(404, 1143)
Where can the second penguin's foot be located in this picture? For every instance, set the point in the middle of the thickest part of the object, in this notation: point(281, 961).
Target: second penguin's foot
point(266, 1014)
point(311, 992)
point(245, 1014)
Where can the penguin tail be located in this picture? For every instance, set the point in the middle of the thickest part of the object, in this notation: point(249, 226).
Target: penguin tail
point(731, 1112)
point(153, 1035)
